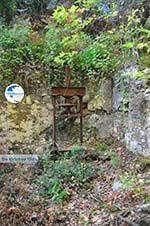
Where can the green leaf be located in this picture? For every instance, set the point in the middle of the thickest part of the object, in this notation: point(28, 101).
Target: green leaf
point(129, 45)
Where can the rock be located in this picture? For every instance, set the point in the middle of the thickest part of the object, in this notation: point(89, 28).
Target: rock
point(3, 146)
point(28, 100)
point(117, 97)
point(107, 90)
point(96, 103)
point(39, 150)
point(91, 141)
point(105, 125)
point(24, 122)
point(34, 217)
point(103, 98)
point(117, 185)
point(147, 117)
point(147, 24)
point(131, 102)
point(86, 98)
point(143, 208)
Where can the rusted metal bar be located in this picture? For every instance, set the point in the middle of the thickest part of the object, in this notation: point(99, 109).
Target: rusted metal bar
point(68, 91)
point(81, 120)
point(68, 76)
point(54, 122)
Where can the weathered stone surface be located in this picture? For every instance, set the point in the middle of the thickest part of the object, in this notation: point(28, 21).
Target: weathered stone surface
point(129, 118)
point(136, 137)
point(123, 110)
point(103, 97)
point(107, 90)
point(135, 128)
point(121, 87)
point(147, 24)
point(103, 123)
point(117, 185)
point(3, 146)
point(147, 116)
point(23, 123)
point(54, 3)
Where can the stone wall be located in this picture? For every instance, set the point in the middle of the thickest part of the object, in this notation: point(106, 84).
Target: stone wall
point(119, 107)
point(122, 108)
point(135, 107)
point(22, 123)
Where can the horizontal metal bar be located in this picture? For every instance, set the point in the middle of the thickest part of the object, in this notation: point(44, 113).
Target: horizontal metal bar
point(68, 91)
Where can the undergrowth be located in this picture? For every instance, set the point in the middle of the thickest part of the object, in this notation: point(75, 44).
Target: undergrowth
point(68, 170)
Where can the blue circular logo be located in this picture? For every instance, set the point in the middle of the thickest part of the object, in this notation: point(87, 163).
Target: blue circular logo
point(14, 93)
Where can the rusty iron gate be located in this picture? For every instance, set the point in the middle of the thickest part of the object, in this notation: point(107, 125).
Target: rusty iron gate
point(69, 94)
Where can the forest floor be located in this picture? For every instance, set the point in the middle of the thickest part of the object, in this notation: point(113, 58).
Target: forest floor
point(102, 185)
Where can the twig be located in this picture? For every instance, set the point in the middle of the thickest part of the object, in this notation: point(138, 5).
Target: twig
point(128, 221)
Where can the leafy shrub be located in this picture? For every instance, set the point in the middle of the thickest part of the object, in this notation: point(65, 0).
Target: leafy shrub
point(128, 180)
point(69, 44)
point(65, 41)
point(67, 170)
point(17, 47)
point(56, 191)
point(77, 150)
point(72, 169)
point(102, 147)
point(114, 158)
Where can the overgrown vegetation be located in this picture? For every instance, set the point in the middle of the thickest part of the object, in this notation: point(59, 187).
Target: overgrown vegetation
point(65, 41)
point(18, 47)
point(69, 169)
point(95, 40)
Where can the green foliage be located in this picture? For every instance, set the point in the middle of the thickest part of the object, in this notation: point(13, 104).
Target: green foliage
point(17, 47)
point(64, 41)
point(52, 187)
point(102, 147)
point(128, 180)
point(144, 163)
point(74, 169)
point(71, 18)
point(77, 150)
point(97, 58)
point(137, 44)
point(68, 169)
point(69, 44)
point(56, 191)
point(114, 158)
point(77, 49)
point(72, 38)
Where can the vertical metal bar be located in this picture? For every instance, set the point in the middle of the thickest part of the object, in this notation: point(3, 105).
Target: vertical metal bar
point(54, 121)
point(68, 76)
point(81, 121)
